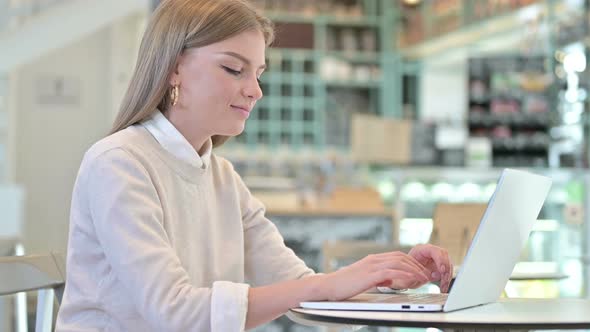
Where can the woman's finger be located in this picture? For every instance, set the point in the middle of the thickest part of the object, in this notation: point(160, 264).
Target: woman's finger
point(443, 262)
point(447, 281)
point(440, 258)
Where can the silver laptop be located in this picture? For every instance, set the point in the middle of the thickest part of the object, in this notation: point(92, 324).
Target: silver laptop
point(494, 251)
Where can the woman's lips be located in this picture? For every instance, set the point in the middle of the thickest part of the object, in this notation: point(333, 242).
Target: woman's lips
point(242, 110)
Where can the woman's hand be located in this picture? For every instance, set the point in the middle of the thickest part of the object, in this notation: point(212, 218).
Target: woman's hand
point(437, 263)
point(392, 269)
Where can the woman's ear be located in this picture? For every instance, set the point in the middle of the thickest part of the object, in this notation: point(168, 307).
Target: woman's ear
point(175, 76)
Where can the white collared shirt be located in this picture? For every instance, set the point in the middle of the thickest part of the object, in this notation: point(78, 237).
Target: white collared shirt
point(172, 140)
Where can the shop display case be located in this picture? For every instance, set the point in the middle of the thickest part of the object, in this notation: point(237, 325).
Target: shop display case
point(571, 129)
point(559, 238)
point(307, 232)
point(330, 59)
point(509, 105)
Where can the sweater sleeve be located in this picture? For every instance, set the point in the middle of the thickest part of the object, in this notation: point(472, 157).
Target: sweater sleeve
point(128, 219)
point(268, 260)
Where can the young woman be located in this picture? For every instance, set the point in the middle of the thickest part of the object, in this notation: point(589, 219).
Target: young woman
point(164, 236)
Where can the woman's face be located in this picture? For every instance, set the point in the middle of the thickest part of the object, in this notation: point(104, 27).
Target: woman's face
point(218, 86)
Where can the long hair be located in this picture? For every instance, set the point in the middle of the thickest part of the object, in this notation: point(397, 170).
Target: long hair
point(177, 25)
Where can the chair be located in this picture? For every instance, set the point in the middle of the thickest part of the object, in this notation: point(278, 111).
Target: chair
point(44, 273)
point(453, 227)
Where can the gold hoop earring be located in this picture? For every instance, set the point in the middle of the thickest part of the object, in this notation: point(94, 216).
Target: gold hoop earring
point(174, 95)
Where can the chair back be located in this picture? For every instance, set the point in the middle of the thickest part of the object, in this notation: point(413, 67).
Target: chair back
point(43, 273)
point(453, 227)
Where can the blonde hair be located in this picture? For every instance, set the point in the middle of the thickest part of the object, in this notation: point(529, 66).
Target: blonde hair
point(177, 25)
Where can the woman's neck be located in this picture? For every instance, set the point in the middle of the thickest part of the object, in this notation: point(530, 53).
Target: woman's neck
point(196, 138)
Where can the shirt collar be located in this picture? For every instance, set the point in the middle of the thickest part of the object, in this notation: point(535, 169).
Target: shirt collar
point(172, 140)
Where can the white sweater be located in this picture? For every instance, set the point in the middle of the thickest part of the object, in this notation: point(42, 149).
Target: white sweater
point(158, 244)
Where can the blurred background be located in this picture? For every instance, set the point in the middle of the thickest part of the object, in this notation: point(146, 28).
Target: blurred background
point(385, 123)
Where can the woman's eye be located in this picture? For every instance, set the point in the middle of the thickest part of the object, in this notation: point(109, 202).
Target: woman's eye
point(231, 71)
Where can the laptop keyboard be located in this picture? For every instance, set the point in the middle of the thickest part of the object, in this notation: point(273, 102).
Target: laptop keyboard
point(411, 298)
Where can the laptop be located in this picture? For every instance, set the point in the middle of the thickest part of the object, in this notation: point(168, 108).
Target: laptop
point(488, 264)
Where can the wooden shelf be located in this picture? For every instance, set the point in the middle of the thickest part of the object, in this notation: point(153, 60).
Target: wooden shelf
point(357, 56)
point(358, 21)
point(353, 84)
point(330, 212)
point(502, 27)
